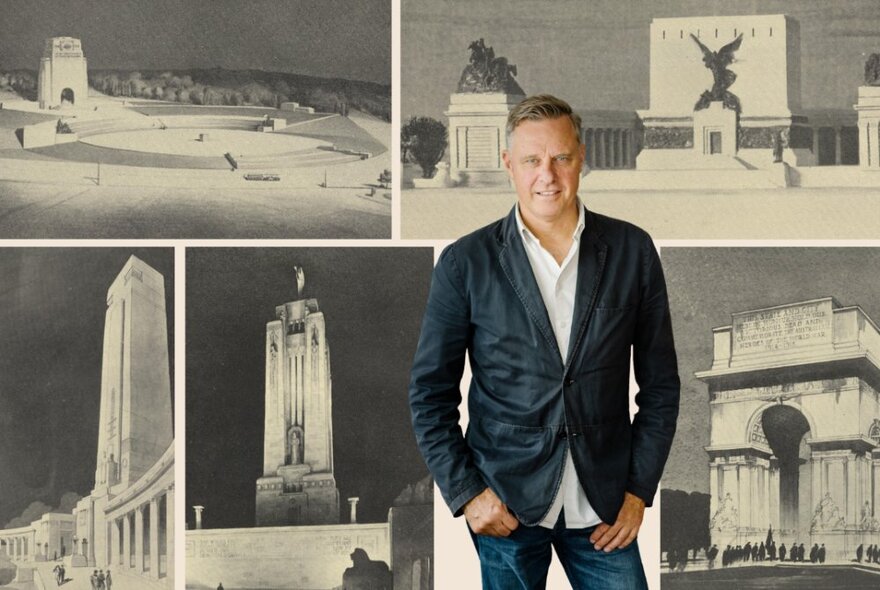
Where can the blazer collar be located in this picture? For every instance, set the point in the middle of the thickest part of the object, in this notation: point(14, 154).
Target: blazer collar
point(591, 262)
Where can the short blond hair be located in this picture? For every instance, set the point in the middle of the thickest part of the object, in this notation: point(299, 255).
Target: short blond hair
point(538, 108)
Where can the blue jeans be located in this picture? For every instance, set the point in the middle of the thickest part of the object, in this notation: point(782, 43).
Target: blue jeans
point(521, 561)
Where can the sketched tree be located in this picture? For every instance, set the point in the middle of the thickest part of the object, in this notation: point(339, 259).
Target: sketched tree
point(425, 140)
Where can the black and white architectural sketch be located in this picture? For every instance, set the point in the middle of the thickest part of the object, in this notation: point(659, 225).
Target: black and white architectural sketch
point(118, 409)
point(225, 111)
point(308, 473)
point(732, 101)
point(775, 466)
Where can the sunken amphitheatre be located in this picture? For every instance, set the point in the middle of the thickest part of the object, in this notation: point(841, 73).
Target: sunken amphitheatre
point(245, 138)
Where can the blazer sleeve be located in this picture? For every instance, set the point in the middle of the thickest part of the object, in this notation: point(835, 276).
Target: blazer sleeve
point(434, 390)
point(656, 372)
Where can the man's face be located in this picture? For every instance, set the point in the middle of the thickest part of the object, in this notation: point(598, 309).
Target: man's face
point(544, 161)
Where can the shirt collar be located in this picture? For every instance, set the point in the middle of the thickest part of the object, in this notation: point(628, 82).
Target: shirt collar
point(525, 233)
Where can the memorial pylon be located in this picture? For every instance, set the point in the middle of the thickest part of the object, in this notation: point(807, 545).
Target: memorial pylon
point(136, 426)
point(298, 486)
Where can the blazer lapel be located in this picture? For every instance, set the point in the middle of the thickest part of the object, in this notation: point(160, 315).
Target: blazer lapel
point(515, 263)
point(591, 263)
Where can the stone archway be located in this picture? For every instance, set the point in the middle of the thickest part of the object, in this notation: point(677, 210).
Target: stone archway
point(787, 431)
point(67, 96)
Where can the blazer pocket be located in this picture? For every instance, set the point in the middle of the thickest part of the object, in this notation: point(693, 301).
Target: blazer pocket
point(503, 448)
point(614, 307)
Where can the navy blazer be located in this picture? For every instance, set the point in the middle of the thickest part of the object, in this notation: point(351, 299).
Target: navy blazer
point(527, 408)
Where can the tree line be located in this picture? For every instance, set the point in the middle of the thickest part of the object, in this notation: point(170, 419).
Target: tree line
point(219, 86)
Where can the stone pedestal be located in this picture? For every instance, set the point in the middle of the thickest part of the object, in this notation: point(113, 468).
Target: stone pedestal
point(78, 561)
point(868, 108)
point(477, 127)
point(715, 131)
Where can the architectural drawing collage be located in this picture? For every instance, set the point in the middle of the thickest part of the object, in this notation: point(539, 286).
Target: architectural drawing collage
point(218, 225)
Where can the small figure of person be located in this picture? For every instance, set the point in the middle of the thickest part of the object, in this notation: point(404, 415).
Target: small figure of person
point(101, 580)
point(63, 574)
point(220, 586)
point(711, 554)
point(108, 581)
point(777, 147)
point(94, 580)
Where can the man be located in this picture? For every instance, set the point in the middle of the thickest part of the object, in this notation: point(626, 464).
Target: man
point(547, 303)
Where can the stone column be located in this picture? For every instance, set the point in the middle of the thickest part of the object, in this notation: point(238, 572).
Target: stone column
point(594, 144)
point(612, 148)
point(198, 510)
point(774, 493)
point(154, 538)
point(169, 532)
point(837, 148)
point(815, 131)
point(852, 504)
point(588, 145)
point(352, 517)
point(765, 491)
point(114, 543)
point(875, 501)
point(126, 541)
point(600, 144)
point(744, 501)
point(139, 539)
point(714, 492)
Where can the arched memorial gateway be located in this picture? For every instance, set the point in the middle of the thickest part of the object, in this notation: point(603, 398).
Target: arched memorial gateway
point(63, 76)
point(794, 394)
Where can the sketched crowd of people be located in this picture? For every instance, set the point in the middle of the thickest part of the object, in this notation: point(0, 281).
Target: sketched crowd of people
point(100, 580)
point(870, 555)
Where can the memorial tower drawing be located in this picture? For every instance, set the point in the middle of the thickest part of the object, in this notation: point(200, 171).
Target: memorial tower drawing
point(135, 426)
point(135, 421)
point(63, 73)
point(298, 486)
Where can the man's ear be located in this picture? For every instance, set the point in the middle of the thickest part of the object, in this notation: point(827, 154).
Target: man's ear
point(505, 159)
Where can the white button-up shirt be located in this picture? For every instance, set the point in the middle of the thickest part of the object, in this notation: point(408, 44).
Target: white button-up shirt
point(557, 283)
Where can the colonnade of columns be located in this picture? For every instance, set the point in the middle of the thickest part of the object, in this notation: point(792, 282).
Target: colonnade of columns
point(838, 144)
point(609, 147)
point(142, 539)
point(18, 547)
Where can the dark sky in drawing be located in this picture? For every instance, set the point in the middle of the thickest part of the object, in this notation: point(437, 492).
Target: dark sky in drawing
point(52, 306)
point(596, 54)
point(328, 38)
point(372, 300)
point(706, 285)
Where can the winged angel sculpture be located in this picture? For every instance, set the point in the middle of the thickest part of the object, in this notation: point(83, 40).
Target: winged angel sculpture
point(717, 62)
